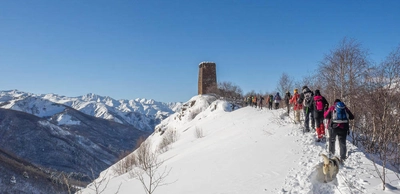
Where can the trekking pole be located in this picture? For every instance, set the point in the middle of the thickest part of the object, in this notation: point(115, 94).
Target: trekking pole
point(302, 123)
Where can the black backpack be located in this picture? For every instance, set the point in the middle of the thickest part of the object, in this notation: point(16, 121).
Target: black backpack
point(307, 98)
point(288, 97)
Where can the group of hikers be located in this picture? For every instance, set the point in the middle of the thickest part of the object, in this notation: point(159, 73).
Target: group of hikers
point(316, 109)
point(257, 101)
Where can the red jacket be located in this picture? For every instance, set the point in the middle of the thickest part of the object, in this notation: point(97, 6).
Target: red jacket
point(293, 100)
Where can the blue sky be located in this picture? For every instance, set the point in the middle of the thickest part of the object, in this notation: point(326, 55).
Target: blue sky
point(151, 49)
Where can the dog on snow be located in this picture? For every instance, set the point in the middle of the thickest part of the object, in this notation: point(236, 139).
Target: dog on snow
point(331, 167)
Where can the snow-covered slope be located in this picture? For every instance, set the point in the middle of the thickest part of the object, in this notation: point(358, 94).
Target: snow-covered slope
point(70, 141)
point(247, 151)
point(141, 113)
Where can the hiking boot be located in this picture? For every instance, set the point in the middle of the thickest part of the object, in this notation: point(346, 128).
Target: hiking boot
point(318, 140)
point(307, 130)
point(342, 162)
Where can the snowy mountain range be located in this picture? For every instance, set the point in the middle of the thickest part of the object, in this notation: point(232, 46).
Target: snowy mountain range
point(79, 135)
point(248, 150)
point(143, 114)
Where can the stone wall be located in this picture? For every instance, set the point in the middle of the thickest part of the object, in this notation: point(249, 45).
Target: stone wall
point(207, 76)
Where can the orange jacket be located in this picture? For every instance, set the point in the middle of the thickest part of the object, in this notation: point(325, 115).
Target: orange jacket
point(293, 100)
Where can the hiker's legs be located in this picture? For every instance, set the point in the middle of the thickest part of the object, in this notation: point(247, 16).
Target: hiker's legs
point(297, 115)
point(320, 130)
point(342, 134)
point(321, 124)
point(312, 119)
point(318, 124)
point(294, 115)
point(306, 119)
point(332, 140)
point(288, 108)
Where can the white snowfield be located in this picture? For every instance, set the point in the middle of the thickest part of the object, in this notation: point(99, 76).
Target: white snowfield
point(248, 151)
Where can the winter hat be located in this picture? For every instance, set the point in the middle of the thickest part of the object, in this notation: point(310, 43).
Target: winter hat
point(317, 93)
point(304, 87)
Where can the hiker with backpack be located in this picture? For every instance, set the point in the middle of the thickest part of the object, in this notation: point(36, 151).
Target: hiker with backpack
point(277, 100)
point(253, 100)
point(288, 96)
point(260, 102)
point(297, 107)
point(320, 104)
point(269, 101)
point(306, 98)
point(339, 116)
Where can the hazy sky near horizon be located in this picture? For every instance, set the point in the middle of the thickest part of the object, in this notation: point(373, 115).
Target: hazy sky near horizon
point(151, 49)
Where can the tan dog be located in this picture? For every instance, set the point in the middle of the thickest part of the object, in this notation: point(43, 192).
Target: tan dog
point(331, 167)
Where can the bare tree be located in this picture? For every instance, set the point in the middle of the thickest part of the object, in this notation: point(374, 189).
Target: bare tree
point(125, 163)
point(251, 93)
point(285, 83)
point(198, 133)
point(227, 90)
point(100, 184)
point(310, 81)
point(344, 68)
point(169, 137)
point(382, 124)
point(148, 170)
point(65, 179)
point(342, 74)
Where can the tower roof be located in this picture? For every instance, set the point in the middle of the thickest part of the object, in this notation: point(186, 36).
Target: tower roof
point(206, 62)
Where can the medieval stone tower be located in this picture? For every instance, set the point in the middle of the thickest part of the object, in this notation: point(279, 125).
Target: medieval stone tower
point(207, 76)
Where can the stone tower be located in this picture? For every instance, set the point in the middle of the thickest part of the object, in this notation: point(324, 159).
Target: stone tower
point(207, 76)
